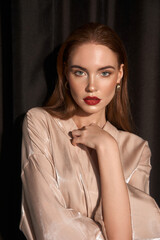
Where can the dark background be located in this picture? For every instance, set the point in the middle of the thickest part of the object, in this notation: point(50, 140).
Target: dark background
point(31, 33)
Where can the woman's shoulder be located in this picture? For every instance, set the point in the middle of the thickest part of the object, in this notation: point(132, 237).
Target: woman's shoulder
point(36, 112)
point(37, 118)
point(128, 141)
point(39, 114)
point(134, 150)
point(125, 136)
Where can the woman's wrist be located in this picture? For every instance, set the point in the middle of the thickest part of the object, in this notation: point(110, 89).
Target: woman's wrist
point(108, 144)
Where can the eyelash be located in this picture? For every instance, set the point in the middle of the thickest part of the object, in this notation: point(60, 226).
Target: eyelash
point(108, 73)
point(80, 73)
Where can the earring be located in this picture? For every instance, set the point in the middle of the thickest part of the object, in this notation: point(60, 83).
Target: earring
point(118, 86)
point(66, 85)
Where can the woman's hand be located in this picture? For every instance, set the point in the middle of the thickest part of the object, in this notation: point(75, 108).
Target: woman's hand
point(91, 136)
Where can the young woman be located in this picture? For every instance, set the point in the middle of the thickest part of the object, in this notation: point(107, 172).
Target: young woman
point(84, 174)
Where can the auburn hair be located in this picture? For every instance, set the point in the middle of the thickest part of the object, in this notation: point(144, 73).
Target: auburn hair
point(61, 103)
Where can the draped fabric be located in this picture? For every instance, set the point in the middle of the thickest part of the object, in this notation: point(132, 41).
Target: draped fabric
point(61, 185)
point(31, 33)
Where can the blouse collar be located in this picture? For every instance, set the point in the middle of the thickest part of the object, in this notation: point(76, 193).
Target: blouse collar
point(69, 125)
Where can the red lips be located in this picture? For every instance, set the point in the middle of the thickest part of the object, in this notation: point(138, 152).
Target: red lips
point(92, 100)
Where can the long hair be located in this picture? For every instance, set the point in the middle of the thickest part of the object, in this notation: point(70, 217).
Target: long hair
point(61, 103)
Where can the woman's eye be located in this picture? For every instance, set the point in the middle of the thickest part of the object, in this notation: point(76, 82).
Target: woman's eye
point(105, 74)
point(79, 73)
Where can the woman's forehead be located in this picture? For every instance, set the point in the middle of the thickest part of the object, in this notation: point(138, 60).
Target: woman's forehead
point(93, 54)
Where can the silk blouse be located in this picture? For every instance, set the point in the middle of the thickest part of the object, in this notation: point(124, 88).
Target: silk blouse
point(61, 197)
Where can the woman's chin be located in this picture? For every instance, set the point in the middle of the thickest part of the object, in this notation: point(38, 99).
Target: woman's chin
point(88, 111)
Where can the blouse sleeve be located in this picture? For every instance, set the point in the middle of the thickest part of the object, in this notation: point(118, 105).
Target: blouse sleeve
point(144, 210)
point(140, 176)
point(44, 213)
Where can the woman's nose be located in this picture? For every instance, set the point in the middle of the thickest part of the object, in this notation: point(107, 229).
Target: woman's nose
point(91, 86)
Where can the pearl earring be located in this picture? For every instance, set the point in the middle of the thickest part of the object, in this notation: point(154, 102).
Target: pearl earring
point(118, 86)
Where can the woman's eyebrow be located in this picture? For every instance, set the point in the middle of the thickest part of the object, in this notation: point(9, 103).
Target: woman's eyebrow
point(76, 66)
point(106, 67)
point(84, 69)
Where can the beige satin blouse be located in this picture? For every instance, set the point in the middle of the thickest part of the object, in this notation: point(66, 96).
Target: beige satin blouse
point(61, 185)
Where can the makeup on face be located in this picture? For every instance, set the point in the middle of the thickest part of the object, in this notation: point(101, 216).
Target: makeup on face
point(93, 72)
point(91, 100)
point(81, 71)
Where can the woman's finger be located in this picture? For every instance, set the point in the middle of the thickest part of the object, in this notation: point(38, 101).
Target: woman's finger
point(76, 133)
point(76, 140)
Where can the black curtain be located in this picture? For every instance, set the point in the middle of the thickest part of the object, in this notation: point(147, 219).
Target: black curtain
point(31, 33)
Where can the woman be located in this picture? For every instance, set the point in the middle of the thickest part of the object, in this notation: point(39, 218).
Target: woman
point(85, 176)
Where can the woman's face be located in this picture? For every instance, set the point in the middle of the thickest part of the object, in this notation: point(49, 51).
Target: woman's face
point(93, 73)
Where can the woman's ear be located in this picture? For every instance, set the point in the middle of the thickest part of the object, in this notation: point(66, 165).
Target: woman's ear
point(120, 73)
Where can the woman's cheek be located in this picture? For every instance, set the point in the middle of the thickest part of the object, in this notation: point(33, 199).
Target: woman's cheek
point(110, 87)
point(76, 91)
point(76, 87)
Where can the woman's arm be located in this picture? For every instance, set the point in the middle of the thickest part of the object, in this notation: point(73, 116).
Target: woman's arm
point(115, 200)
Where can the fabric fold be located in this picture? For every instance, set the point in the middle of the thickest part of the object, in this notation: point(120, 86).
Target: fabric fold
point(61, 183)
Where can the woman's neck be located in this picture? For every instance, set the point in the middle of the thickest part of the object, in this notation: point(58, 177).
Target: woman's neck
point(85, 120)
